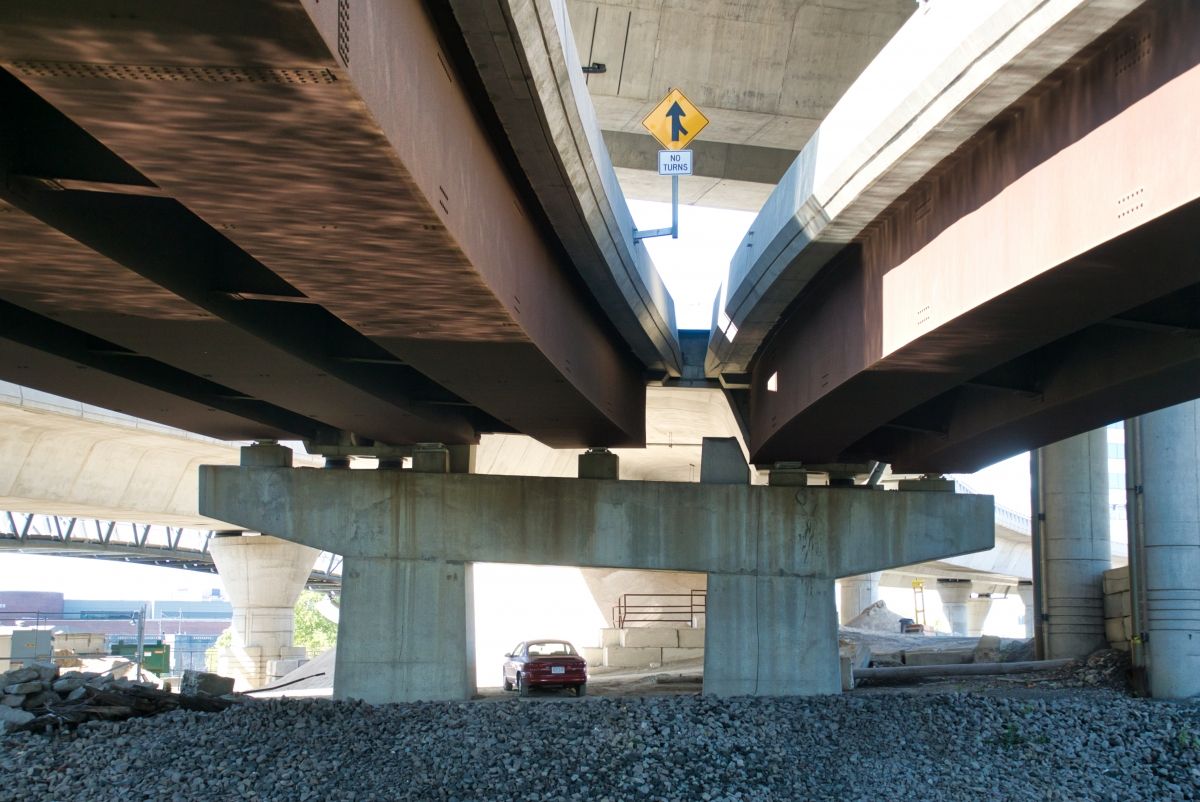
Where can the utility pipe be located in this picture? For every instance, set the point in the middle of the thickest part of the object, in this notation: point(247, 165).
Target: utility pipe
point(960, 669)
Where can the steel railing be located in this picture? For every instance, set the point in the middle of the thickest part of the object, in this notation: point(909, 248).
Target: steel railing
point(658, 608)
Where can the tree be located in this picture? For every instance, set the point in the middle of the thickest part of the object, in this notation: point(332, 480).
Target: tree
point(313, 630)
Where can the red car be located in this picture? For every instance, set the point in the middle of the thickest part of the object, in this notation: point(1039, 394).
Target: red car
point(545, 664)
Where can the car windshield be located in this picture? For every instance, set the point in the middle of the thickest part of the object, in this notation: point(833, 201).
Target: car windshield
point(550, 648)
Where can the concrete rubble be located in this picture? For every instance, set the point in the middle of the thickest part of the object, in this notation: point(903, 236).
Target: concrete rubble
point(40, 697)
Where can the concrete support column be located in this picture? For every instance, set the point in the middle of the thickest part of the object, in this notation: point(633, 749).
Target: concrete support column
point(1025, 591)
point(770, 553)
point(770, 636)
point(858, 593)
point(264, 577)
point(1073, 497)
point(955, 593)
point(977, 613)
point(1168, 509)
point(406, 631)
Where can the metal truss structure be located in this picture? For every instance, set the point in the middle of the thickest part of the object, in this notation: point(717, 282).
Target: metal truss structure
point(138, 543)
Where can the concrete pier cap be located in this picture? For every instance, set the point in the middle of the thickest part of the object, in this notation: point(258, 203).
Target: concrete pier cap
point(771, 554)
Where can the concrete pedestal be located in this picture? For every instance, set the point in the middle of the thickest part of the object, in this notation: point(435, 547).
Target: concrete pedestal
point(770, 636)
point(1073, 478)
point(955, 593)
point(264, 577)
point(857, 594)
point(405, 631)
point(1170, 509)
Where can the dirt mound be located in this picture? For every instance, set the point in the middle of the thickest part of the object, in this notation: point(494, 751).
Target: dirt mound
point(876, 618)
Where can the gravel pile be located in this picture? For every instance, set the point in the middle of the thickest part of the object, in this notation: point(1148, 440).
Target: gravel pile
point(1077, 746)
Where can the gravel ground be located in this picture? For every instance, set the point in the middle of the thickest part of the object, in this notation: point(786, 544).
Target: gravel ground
point(1076, 745)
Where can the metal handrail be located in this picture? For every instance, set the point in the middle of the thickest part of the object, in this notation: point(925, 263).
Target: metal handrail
point(630, 611)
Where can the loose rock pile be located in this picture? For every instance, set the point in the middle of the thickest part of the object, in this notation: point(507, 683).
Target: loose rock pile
point(1078, 745)
point(39, 697)
point(1107, 668)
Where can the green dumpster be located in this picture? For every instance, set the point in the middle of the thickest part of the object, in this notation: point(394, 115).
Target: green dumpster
point(156, 655)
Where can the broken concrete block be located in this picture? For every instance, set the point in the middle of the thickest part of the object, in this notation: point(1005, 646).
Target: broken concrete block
point(33, 686)
point(11, 717)
point(68, 684)
point(195, 682)
point(19, 675)
point(78, 693)
point(988, 650)
point(36, 700)
point(46, 671)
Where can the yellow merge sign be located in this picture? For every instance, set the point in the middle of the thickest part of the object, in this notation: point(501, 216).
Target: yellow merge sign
point(675, 121)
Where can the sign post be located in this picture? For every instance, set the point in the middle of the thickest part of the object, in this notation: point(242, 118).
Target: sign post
point(674, 122)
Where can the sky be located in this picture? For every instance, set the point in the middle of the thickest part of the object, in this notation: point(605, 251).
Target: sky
point(694, 265)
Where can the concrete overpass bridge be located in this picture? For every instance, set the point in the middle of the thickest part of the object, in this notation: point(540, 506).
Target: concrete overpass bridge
point(374, 226)
point(261, 236)
point(912, 267)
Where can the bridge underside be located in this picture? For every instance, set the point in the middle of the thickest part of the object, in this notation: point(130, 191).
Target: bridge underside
point(1038, 283)
point(249, 220)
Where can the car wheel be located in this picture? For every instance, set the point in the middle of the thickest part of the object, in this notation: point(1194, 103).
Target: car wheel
point(522, 685)
point(581, 689)
point(508, 686)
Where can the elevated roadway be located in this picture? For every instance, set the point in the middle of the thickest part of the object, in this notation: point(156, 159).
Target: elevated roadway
point(984, 247)
point(403, 223)
point(272, 220)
